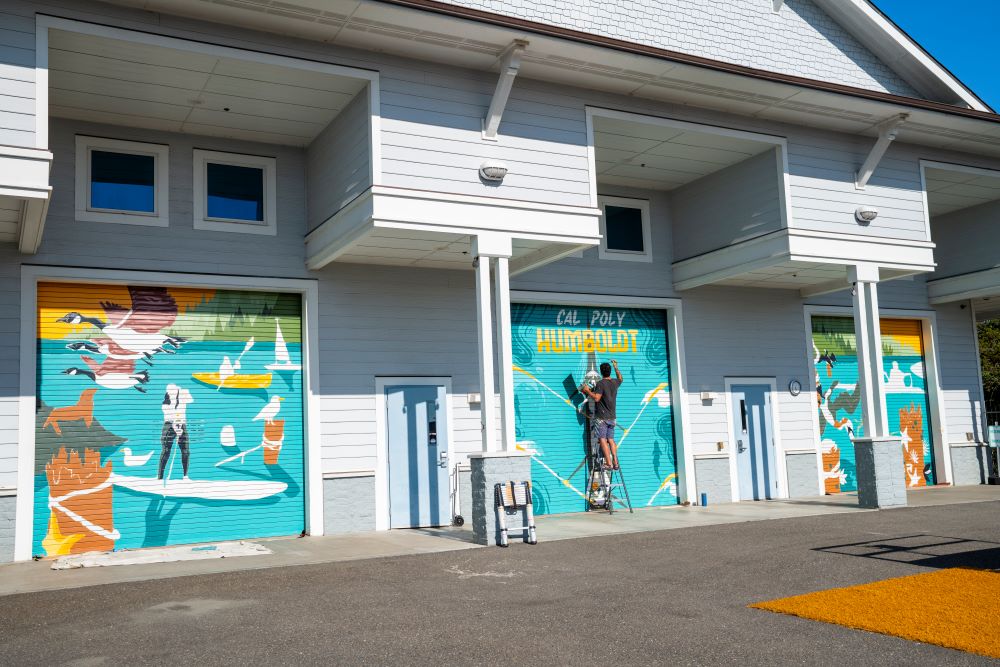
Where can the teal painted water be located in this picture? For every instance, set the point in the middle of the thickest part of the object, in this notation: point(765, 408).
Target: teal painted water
point(145, 520)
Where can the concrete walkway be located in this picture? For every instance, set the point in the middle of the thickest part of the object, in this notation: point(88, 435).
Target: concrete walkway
point(288, 552)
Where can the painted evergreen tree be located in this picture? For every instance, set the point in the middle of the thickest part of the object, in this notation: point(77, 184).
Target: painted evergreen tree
point(989, 353)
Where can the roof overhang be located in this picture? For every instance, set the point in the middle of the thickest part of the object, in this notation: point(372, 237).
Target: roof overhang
point(24, 184)
point(470, 38)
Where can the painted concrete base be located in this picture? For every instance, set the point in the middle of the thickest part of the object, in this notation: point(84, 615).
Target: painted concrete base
point(881, 473)
point(969, 464)
point(7, 512)
point(803, 475)
point(489, 469)
point(161, 555)
point(711, 476)
point(348, 505)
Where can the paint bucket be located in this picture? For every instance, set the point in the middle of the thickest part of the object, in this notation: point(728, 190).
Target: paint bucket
point(274, 437)
point(80, 499)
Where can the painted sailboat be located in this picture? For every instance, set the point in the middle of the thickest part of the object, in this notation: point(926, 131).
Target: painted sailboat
point(201, 489)
point(282, 360)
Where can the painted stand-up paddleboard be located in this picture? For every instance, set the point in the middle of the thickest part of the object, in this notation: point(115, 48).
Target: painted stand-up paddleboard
point(282, 360)
point(201, 488)
point(239, 381)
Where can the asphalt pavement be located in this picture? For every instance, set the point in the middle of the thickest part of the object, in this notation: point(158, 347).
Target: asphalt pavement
point(665, 597)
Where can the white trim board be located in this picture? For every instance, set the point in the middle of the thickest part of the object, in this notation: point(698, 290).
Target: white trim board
point(779, 452)
point(678, 363)
point(382, 510)
point(32, 275)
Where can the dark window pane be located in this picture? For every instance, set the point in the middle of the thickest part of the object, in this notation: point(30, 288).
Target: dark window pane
point(623, 228)
point(235, 193)
point(122, 182)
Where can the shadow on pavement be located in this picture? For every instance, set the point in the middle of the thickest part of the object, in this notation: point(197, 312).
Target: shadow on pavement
point(935, 551)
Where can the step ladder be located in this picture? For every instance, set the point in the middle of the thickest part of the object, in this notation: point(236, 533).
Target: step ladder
point(605, 486)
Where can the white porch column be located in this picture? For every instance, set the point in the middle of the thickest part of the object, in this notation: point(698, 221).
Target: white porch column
point(868, 333)
point(505, 355)
point(484, 248)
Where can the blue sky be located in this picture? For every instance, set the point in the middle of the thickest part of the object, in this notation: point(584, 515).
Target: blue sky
point(961, 34)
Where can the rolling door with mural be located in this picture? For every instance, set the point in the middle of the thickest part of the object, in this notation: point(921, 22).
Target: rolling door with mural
point(839, 398)
point(554, 348)
point(166, 415)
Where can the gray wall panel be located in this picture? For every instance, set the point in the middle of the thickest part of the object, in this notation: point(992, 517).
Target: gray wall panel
point(348, 505)
point(711, 476)
point(338, 161)
point(802, 474)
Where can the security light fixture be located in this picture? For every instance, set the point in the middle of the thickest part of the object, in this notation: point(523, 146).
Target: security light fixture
point(865, 214)
point(493, 171)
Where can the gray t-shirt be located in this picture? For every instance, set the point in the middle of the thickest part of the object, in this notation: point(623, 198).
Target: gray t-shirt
point(606, 407)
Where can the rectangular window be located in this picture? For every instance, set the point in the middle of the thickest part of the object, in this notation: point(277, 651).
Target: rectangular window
point(121, 181)
point(625, 229)
point(234, 193)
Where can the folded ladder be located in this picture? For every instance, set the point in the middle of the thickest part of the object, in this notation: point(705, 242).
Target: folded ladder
point(509, 497)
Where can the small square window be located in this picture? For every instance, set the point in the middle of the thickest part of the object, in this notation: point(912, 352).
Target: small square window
point(121, 181)
point(234, 193)
point(625, 229)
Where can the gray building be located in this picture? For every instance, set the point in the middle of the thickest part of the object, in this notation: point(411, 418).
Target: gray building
point(280, 269)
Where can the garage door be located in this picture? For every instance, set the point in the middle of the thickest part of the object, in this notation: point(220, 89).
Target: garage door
point(839, 398)
point(554, 347)
point(166, 416)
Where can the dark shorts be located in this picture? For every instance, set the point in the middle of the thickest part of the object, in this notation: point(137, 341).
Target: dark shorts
point(605, 429)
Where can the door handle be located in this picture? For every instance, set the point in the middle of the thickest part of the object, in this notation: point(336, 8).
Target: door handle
point(740, 447)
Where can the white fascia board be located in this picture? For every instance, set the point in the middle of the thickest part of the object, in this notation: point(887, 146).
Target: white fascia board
point(967, 286)
point(879, 34)
point(464, 214)
point(802, 246)
point(24, 172)
point(830, 248)
point(383, 207)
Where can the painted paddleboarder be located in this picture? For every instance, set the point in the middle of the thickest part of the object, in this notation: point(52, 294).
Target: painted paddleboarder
point(175, 402)
point(605, 397)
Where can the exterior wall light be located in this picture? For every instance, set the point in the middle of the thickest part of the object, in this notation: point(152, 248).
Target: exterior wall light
point(865, 214)
point(492, 171)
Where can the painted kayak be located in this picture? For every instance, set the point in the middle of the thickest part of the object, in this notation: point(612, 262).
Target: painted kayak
point(245, 381)
point(203, 489)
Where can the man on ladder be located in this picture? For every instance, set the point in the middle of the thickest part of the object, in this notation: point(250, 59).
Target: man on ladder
point(605, 397)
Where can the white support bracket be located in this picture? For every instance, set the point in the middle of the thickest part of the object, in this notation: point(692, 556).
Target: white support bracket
point(887, 131)
point(510, 63)
point(776, 5)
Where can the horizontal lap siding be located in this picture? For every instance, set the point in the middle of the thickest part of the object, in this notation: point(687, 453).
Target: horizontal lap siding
point(17, 75)
point(10, 306)
point(732, 205)
point(388, 321)
point(745, 333)
point(338, 161)
point(588, 274)
point(960, 379)
point(822, 170)
point(178, 247)
point(432, 138)
point(952, 232)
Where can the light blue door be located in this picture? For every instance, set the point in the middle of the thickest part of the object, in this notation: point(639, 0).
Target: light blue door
point(754, 441)
point(416, 420)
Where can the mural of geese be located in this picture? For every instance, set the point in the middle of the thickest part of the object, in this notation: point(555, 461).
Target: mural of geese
point(112, 374)
point(137, 329)
point(113, 350)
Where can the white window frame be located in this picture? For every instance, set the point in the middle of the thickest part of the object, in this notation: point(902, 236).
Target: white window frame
point(604, 252)
point(268, 165)
point(160, 217)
